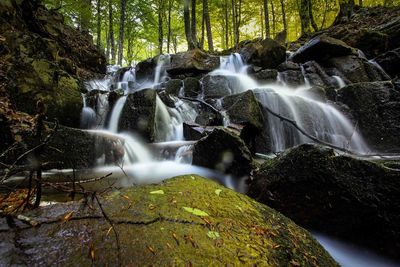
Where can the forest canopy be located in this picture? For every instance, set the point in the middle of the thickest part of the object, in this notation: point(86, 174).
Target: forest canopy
point(132, 30)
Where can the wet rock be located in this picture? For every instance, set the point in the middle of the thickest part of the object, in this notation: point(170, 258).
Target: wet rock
point(356, 69)
point(243, 109)
point(266, 76)
point(173, 87)
point(216, 86)
point(339, 195)
point(209, 117)
point(390, 62)
point(321, 48)
point(192, 62)
point(192, 131)
point(139, 114)
point(266, 53)
point(316, 92)
point(191, 87)
point(315, 74)
point(376, 108)
point(164, 233)
point(49, 60)
point(225, 151)
point(145, 70)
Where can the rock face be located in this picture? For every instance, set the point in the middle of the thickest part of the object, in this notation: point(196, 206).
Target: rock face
point(339, 195)
point(184, 221)
point(47, 60)
point(243, 109)
point(376, 108)
point(266, 53)
point(321, 48)
point(139, 114)
point(225, 151)
point(390, 61)
point(194, 61)
point(145, 69)
point(192, 87)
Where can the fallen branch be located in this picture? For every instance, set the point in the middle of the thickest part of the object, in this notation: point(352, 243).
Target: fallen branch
point(201, 102)
point(313, 138)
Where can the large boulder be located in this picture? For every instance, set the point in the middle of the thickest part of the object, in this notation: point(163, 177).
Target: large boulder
point(224, 151)
point(266, 53)
point(244, 109)
point(48, 60)
point(266, 76)
point(192, 62)
point(216, 86)
point(376, 108)
point(191, 87)
point(321, 48)
point(139, 114)
point(390, 61)
point(187, 220)
point(354, 199)
point(144, 70)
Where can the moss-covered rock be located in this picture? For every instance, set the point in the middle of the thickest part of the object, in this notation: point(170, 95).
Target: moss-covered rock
point(187, 220)
point(321, 48)
point(376, 108)
point(355, 199)
point(48, 60)
point(266, 53)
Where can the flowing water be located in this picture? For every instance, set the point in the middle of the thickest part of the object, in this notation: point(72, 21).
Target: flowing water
point(318, 119)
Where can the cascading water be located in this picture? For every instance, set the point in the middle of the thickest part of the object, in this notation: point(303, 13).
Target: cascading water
point(318, 119)
point(339, 81)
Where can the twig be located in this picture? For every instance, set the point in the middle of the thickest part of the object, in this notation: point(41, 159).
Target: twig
point(112, 226)
point(200, 101)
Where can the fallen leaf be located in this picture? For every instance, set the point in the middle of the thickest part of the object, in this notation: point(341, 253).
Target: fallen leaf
point(218, 191)
point(157, 192)
point(151, 249)
point(91, 252)
point(68, 216)
point(195, 211)
point(213, 235)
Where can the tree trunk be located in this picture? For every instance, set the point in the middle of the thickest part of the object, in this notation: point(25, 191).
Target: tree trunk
point(305, 20)
point(188, 33)
point(273, 18)
point(121, 33)
point(111, 32)
point(203, 29)
point(266, 20)
point(226, 25)
point(98, 41)
point(169, 25)
point(208, 26)
point(85, 13)
point(262, 22)
point(193, 24)
point(346, 8)
point(284, 18)
point(160, 26)
point(360, 3)
point(310, 9)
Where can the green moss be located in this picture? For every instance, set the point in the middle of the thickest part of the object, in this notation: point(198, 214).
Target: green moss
point(154, 229)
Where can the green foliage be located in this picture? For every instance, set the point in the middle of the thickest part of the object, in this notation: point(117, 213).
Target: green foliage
point(142, 21)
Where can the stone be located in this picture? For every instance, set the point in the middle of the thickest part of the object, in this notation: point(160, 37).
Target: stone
point(144, 70)
point(376, 108)
point(139, 114)
point(194, 229)
point(173, 87)
point(192, 87)
point(390, 61)
point(353, 199)
point(266, 76)
point(266, 53)
point(192, 62)
point(225, 151)
point(321, 48)
point(216, 86)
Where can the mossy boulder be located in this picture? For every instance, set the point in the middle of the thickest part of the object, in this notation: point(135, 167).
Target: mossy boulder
point(48, 60)
point(266, 53)
point(356, 200)
point(244, 109)
point(173, 87)
point(390, 61)
point(186, 220)
point(321, 48)
point(376, 108)
point(224, 151)
point(192, 62)
point(139, 114)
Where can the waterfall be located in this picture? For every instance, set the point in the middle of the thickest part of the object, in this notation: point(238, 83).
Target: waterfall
point(339, 81)
point(160, 71)
point(318, 119)
point(116, 114)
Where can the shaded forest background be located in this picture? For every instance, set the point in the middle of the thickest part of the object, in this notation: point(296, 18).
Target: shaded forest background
point(132, 30)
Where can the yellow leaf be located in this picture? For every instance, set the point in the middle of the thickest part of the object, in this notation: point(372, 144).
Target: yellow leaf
point(157, 192)
point(195, 211)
